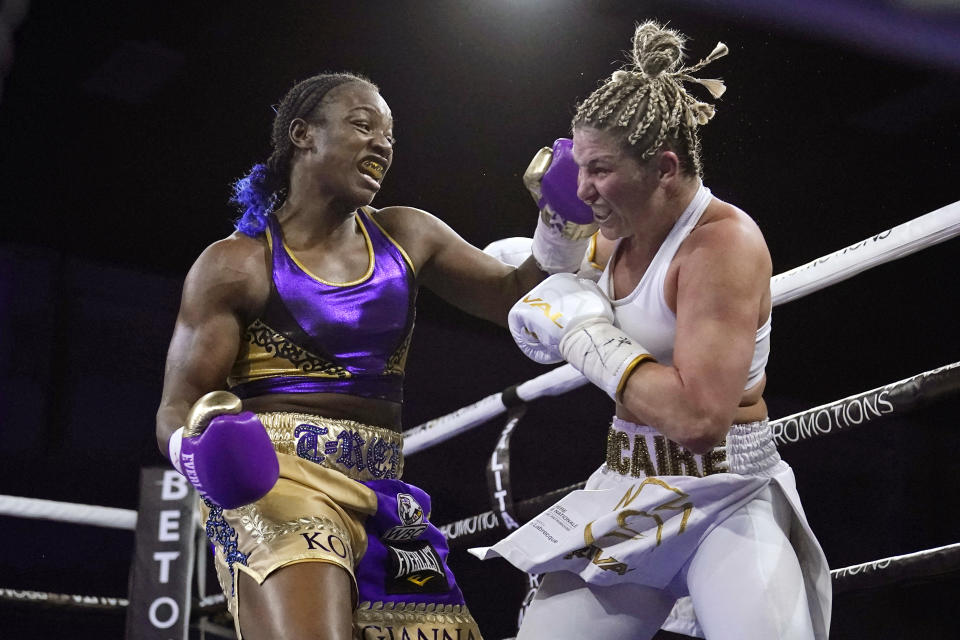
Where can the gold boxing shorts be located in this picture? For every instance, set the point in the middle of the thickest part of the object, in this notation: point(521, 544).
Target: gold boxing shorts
point(337, 495)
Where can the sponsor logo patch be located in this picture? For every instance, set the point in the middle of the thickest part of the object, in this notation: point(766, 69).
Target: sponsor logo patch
point(411, 517)
point(414, 567)
point(399, 534)
point(408, 509)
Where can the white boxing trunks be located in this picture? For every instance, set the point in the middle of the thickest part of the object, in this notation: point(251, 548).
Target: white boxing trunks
point(643, 515)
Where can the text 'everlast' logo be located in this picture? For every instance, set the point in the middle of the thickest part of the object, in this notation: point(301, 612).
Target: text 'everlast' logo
point(415, 567)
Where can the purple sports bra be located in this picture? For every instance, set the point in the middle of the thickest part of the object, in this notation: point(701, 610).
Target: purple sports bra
point(316, 336)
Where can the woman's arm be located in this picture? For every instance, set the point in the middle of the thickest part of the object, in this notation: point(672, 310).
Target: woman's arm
point(722, 284)
point(225, 282)
point(458, 272)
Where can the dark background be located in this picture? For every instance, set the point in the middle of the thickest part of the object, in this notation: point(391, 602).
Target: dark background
point(122, 125)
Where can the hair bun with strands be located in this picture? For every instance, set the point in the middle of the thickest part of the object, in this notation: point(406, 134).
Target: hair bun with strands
point(646, 104)
point(656, 49)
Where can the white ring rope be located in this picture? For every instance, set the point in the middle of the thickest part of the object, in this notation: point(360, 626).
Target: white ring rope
point(902, 240)
point(885, 571)
point(861, 408)
point(897, 397)
point(63, 599)
point(110, 517)
point(927, 230)
point(553, 383)
point(909, 237)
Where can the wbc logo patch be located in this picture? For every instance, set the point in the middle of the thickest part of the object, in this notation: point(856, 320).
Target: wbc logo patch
point(411, 518)
point(409, 509)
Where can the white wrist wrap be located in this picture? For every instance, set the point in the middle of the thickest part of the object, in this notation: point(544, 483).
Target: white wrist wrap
point(558, 244)
point(589, 268)
point(173, 449)
point(604, 354)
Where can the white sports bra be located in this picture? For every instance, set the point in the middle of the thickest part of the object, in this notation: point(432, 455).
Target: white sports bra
point(644, 314)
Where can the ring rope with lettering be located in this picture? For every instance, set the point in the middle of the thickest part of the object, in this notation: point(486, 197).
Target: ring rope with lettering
point(63, 600)
point(927, 230)
point(897, 397)
point(926, 565)
point(930, 229)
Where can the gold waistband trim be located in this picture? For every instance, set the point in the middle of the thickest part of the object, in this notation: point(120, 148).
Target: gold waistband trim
point(413, 613)
point(359, 451)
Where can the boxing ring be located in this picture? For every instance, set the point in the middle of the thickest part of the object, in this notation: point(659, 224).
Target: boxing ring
point(206, 611)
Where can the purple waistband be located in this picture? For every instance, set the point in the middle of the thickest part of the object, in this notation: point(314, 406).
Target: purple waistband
point(383, 387)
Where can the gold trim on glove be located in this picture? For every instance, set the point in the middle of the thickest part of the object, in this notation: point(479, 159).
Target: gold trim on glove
point(567, 228)
point(207, 408)
point(535, 170)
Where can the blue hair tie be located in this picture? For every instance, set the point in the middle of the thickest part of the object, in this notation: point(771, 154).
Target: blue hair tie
point(251, 196)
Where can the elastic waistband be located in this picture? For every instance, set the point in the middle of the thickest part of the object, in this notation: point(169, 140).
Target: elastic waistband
point(641, 451)
point(383, 387)
point(359, 451)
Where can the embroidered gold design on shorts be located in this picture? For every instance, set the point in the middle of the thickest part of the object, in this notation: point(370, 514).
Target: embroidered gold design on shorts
point(414, 611)
point(623, 531)
point(595, 554)
point(264, 530)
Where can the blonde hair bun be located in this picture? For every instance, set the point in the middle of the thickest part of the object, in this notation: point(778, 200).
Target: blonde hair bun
point(657, 49)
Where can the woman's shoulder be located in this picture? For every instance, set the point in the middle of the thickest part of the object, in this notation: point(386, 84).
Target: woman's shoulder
point(729, 226)
point(410, 226)
point(727, 232)
point(236, 265)
point(421, 234)
point(399, 217)
point(237, 252)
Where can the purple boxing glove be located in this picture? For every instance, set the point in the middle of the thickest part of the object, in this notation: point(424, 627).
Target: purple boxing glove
point(225, 452)
point(558, 186)
point(565, 223)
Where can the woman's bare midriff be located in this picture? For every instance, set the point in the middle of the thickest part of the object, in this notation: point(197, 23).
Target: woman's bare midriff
point(752, 407)
point(369, 411)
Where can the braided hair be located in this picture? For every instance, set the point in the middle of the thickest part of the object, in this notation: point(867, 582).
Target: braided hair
point(265, 186)
point(646, 104)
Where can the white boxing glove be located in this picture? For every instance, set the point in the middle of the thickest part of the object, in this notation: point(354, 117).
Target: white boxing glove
point(538, 320)
point(511, 251)
point(569, 318)
point(514, 251)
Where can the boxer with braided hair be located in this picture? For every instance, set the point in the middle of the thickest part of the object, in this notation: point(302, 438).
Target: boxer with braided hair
point(693, 500)
point(283, 386)
point(647, 100)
